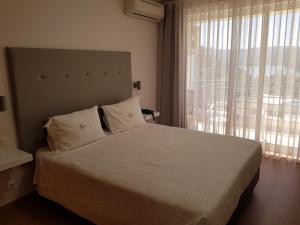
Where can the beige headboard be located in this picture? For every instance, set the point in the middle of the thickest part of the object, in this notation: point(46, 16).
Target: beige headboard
point(48, 82)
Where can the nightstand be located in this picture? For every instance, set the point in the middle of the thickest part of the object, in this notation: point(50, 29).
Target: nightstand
point(12, 158)
point(149, 117)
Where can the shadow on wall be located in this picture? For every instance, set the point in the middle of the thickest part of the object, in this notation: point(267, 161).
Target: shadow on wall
point(7, 130)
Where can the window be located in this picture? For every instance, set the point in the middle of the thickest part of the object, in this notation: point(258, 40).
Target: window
point(243, 73)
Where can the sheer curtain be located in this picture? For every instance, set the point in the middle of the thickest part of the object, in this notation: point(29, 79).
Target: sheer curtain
point(243, 71)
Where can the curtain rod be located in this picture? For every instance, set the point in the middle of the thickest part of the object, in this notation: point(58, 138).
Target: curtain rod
point(175, 1)
point(171, 2)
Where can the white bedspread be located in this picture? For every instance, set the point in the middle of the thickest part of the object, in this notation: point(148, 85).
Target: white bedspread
point(151, 175)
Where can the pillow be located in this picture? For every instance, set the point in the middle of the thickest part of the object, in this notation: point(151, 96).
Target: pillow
point(72, 130)
point(124, 115)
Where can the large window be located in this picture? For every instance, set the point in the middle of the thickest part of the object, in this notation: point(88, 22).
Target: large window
point(243, 73)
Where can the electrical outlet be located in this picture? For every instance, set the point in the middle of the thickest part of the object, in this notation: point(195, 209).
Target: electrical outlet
point(11, 185)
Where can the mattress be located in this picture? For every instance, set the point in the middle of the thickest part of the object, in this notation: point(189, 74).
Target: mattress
point(151, 175)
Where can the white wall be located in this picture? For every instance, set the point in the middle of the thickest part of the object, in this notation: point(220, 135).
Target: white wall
point(73, 24)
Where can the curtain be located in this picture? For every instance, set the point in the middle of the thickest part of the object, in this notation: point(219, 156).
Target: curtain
point(171, 68)
point(243, 71)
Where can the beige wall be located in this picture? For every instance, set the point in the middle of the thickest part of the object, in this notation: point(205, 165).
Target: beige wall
point(73, 24)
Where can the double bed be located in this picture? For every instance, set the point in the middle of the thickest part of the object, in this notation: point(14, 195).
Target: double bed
point(148, 175)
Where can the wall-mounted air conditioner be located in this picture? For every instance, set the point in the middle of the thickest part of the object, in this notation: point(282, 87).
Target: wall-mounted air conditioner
point(144, 9)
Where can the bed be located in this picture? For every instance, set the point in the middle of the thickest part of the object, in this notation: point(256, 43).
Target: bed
point(148, 175)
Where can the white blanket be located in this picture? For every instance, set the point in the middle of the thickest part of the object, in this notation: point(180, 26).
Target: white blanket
point(151, 175)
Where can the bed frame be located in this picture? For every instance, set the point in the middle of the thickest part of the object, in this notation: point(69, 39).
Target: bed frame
point(48, 82)
point(244, 199)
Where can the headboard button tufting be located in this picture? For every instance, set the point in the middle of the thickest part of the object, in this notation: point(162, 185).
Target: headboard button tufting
point(79, 78)
point(42, 77)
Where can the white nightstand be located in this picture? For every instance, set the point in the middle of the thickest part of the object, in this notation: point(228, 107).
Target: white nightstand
point(149, 118)
point(12, 158)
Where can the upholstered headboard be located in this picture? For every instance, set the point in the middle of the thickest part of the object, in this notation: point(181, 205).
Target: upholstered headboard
point(48, 82)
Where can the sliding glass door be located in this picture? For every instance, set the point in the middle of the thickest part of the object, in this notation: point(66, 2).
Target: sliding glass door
point(243, 71)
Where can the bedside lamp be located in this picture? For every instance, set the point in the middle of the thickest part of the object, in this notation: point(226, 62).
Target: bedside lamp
point(2, 104)
point(137, 85)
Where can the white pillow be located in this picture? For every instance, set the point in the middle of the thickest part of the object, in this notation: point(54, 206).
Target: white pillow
point(72, 130)
point(124, 115)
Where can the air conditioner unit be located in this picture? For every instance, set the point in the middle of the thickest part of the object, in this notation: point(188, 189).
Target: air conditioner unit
point(144, 9)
